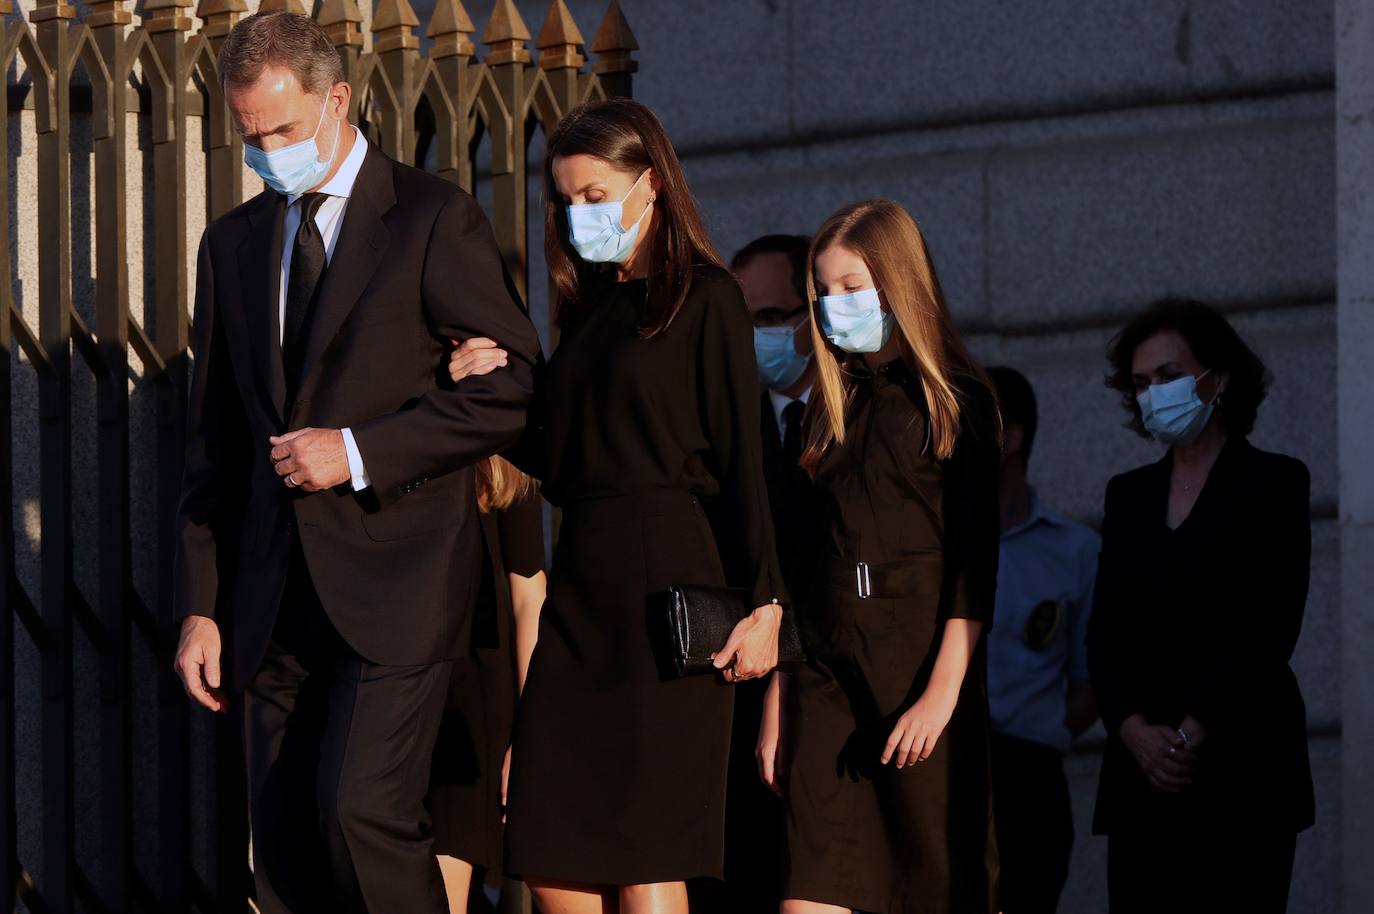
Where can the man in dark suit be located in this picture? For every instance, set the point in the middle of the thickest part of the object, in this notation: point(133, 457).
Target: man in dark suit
point(327, 527)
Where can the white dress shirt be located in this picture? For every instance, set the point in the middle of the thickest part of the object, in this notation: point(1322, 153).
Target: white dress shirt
point(329, 219)
point(781, 402)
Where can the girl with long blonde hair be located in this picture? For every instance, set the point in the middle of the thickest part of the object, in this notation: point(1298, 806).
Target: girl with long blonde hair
point(884, 762)
point(472, 753)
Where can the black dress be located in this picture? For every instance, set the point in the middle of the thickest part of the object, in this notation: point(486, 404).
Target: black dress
point(618, 771)
point(860, 834)
point(465, 778)
point(1202, 620)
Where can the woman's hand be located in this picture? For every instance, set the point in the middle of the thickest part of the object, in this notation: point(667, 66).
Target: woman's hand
point(919, 729)
point(752, 648)
point(1160, 753)
point(477, 356)
point(769, 749)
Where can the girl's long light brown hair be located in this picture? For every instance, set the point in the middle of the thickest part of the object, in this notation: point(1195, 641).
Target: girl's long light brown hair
point(891, 245)
point(626, 134)
point(500, 484)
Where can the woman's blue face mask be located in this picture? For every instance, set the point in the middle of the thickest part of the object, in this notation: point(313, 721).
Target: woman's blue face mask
point(1173, 412)
point(597, 232)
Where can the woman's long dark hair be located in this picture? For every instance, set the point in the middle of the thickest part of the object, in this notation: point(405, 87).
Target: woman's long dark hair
point(628, 136)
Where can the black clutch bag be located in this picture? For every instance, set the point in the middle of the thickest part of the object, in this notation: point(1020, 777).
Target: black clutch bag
point(700, 619)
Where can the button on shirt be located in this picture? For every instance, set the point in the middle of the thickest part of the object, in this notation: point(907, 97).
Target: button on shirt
point(1047, 569)
point(329, 219)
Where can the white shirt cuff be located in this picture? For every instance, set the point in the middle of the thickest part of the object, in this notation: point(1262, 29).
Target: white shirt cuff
point(355, 462)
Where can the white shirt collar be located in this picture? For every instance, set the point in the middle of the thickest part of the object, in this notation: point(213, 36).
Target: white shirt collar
point(780, 402)
point(341, 185)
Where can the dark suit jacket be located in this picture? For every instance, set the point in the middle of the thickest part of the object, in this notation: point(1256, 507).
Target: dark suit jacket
point(789, 491)
point(395, 566)
point(1202, 621)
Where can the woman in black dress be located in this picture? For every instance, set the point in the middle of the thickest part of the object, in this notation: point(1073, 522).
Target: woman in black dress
point(649, 420)
point(884, 766)
point(467, 777)
point(1200, 595)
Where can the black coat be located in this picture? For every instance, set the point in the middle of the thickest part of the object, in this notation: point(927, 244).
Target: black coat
point(395, 566)
point(1202, 621)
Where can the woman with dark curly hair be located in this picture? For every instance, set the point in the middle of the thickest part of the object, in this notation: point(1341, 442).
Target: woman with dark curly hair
point(1200, 595)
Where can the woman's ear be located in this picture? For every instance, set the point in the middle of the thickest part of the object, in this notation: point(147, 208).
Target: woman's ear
point(655, 186)
point(1223, 380)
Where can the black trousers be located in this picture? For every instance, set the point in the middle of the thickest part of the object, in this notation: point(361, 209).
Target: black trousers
point(1034, 824)
point(1191, 870)
point(338, 752)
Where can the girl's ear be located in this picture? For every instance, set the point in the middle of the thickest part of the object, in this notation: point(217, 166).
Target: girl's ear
point(655, 186)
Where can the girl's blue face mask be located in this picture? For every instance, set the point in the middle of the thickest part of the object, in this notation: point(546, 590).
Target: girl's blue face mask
point(596, 230)
point(1173, 413)
point(780, 364)
point(296, 168)
point(856, 321)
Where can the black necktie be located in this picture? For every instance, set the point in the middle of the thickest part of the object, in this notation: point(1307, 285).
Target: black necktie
point(792, 431)
point(307, 266)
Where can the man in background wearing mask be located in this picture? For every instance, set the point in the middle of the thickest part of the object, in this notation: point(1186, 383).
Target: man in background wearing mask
point(1038, 689)
point(772, 274)
point(327, 529)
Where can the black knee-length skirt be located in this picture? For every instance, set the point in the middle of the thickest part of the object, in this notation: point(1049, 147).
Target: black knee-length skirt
point(618, 770)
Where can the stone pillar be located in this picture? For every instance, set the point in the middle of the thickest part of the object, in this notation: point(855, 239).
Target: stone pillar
point(1354, 22)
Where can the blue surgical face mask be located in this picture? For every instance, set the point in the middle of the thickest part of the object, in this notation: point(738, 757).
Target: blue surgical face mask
point(780, 364)
point(856, 321)
point(296, 168)
point(1173, 413)
point(596, 232)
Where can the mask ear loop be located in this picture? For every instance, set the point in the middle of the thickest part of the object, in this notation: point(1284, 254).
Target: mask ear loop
point(1216, 397)
point(338, 132)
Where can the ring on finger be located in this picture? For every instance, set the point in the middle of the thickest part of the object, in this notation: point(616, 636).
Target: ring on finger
point(291, 480)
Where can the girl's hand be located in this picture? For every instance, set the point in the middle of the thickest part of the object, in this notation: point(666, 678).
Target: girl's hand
point(477, 356)
point(505, 782)
point(769, 749)
point(752, 647)
point(1160, 753)
point(918, 730)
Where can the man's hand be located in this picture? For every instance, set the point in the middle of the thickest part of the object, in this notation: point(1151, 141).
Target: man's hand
point(313, 459)
point(197, 662)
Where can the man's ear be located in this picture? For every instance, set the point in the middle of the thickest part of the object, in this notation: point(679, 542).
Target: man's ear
point(340, 97)
point(1013, 436)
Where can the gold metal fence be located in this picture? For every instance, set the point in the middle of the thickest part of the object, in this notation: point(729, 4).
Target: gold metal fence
point(132, 804)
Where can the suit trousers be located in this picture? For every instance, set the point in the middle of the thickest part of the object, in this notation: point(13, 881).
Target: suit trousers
point(338, 755)
point(1030, 797)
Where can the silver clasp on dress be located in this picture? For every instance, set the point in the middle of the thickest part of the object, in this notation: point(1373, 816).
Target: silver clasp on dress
point(862, 580)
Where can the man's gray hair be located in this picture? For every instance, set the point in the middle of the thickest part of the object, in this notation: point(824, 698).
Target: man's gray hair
point(282, 39)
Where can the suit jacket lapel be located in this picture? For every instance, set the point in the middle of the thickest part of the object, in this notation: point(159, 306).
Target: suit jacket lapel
point(359, 250)
point(259, 256)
